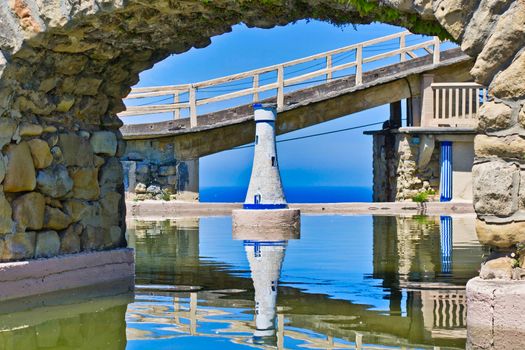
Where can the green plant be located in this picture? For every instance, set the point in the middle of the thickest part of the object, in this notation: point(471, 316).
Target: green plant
point(421, 197)
point(165, 195)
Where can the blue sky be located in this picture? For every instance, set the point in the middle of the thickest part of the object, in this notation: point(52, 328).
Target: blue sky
point(342, 159)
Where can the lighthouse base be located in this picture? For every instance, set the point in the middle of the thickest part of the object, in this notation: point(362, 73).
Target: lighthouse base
point(270, 224)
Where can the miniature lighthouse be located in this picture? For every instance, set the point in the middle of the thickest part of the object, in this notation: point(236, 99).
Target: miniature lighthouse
point(265, 204)
point(266, 258)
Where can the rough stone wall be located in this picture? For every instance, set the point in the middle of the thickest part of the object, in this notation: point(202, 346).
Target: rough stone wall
point(397, 176)
point(67, 65)
point(150, 170)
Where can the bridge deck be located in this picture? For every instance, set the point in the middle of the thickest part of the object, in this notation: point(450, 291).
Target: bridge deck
point(300, 98)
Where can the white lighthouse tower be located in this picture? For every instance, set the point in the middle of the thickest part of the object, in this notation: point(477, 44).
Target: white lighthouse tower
point(265, 190)
point(265, 205)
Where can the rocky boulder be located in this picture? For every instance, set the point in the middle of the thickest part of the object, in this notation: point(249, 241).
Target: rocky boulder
point(104, 142)
point(85, 183)
point(56, 219)
point(18, 246)
point(500, 268)
point(28, 211)
point(47, 244)
point(70, 239)
point(41, 153)
point(54, 181)
point(20, 172)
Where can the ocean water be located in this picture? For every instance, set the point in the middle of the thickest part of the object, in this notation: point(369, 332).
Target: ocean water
point(319, 194)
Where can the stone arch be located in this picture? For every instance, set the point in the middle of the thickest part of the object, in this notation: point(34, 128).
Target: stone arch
point(65, 66)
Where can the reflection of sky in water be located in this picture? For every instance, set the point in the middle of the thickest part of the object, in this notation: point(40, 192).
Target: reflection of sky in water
point(333, 256)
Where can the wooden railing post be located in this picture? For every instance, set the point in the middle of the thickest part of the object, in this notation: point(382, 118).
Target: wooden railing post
point(329, 68)
point(437, 50)
point(402, 45)
point(359, 65)
point(193, 107)
point(176, 110)
point(255, 87)
point(280, 87)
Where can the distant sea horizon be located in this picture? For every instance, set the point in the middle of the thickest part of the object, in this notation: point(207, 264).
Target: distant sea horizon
point(306, 194)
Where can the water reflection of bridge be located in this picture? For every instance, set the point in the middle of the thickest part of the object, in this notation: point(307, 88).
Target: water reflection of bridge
point(425, 312)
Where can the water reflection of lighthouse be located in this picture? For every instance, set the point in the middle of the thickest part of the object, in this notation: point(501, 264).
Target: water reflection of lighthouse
point(266, 258)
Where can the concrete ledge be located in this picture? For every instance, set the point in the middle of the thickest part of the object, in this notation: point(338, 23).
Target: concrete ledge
point(161, 209)
point(266, 225)
point(495, 314)
point(35, 277)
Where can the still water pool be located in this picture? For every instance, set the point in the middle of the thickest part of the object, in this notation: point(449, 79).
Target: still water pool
point(348, 282)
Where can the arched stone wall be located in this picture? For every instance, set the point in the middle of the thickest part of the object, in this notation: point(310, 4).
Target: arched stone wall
point(66, 64)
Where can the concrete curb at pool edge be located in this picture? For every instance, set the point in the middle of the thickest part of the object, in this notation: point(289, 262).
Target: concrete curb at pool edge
point(22, 279)
point(163, 209)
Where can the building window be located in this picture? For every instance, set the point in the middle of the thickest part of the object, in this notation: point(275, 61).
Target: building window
point(256, 139)
point(274, 162)
point(257, 199)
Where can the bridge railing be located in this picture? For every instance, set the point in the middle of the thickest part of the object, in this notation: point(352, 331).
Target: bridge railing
point(403, 51)
point(456, 104)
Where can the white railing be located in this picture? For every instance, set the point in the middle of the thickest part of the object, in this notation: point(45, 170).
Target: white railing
point(456, 104)
point(278, 86)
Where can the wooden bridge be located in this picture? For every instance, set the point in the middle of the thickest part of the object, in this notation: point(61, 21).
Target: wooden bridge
point(344, 81)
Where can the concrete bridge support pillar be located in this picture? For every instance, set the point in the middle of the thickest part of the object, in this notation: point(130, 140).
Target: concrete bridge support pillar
point(188, 180)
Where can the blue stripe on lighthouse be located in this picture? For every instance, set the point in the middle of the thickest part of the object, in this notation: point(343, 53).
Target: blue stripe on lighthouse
point(445, 233)
point(445, 185)
point(264, 206)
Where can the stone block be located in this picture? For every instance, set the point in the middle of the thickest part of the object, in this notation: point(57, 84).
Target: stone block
point(41, 153)
point(56, 219)
point(481, 24)
point(6, 224)
point(104, 142)
point(85, 183)
point(500, 268)
point(28, 211)
point(20, 171)
point(87, 86)
point(110, 205)
point(94, 238)
point(111, 175)
point(503, 235)
point(508, 36)
point(116, 236)
point(140, 188)
point(494, 116)
point(28, 129)
point(7, 130)
point(511, 147)
point(70, 239)
point(76, 150)
point(453, 14)
point(47, 244)
point(496, 185)
point(18, 246)
point(76, 208)
point(65, 103)
point(510, 84)
point(54, 181)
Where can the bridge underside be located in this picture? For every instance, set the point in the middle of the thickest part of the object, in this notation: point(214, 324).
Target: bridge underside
point(223, 130)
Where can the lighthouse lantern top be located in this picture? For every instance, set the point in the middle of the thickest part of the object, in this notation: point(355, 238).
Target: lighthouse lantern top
point(265, 112)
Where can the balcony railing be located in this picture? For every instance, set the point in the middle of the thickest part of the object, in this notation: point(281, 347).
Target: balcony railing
point(455, 104)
